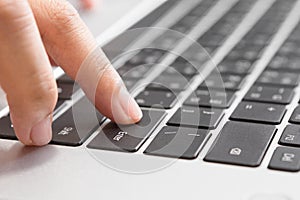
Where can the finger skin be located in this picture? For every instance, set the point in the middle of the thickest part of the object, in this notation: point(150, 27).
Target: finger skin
point(69, 42)
point(52, 29)
point(26, 74)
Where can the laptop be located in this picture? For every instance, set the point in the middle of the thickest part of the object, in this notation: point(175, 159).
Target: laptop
point(218, 84)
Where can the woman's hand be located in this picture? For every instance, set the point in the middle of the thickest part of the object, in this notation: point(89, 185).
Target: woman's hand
point(31, 32)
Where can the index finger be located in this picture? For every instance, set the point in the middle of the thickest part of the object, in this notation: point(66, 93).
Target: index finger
point(69, 42)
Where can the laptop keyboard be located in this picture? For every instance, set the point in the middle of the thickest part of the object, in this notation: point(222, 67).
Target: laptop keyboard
point(247, 134)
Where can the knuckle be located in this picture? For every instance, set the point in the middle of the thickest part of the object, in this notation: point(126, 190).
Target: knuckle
point(62, 14)
point(45, 90)
point(8, 9)
point(40, 92)
point(38, 97)
point(15, 22)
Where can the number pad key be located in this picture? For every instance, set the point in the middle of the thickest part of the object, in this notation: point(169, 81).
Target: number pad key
point(259, 112)
point(269, 94)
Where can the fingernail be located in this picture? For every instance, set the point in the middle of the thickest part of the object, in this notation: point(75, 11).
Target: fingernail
point(129, 111)
point(41, 133)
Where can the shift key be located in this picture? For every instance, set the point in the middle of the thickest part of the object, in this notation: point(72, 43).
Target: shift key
point(128, 138)
point(74, 126)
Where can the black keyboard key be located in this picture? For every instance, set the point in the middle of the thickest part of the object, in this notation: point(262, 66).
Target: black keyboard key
point(65, 79)
point(225, 81)
point(197, 57)
point(239, 67)
point(135, 72)
point(170, 71)
point(174, 82)
point(290, 136)
point(241, 143)
point(286, 159)
point(259, 112)
point(207, 98)
point(250, 52)
point(288, 63)
point(279, 78)
point(244, 53)
point(130, 83)
point(294, 63)
point(6, 128)
point(295, 118)
point(184, 67)
point(154, 98)
point(288, 48)
point(268, 94)
point(66, 90)
point(127, 138)
point(181, 27)
point(146, 57)
point(74, 126)
point(177, 142)
point(213, 39)
point(58, 104)
point(197, 117)
point(167, 40)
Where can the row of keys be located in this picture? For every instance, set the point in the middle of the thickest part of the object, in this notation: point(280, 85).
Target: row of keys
point(168, 39)
point(183, 136)
point(216, 35)
point(193, 17)
point(245, 140)
point(201, 111)
point(177, 76)
point(173, 140)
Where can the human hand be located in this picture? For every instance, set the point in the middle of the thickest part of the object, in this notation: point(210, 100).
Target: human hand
point(31, 32)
